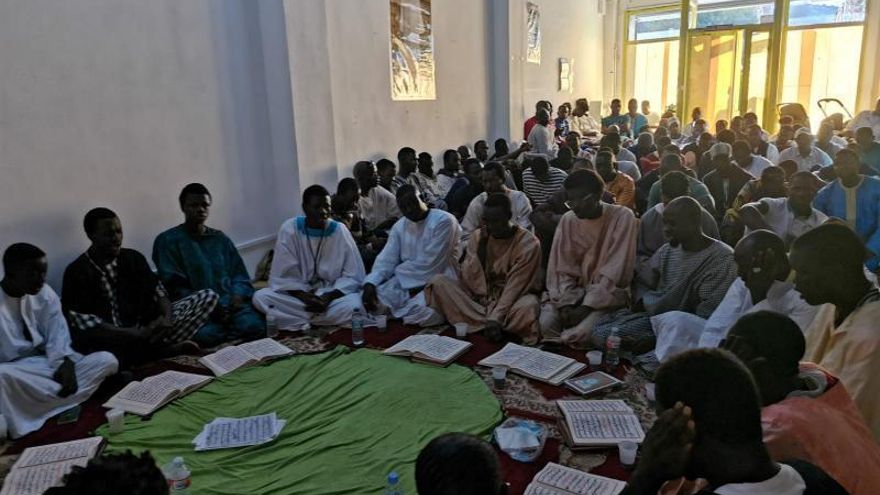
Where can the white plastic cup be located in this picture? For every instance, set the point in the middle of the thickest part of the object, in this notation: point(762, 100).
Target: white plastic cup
point(649, 392)
point(461, 330)
point(594, 358)
point(381, 321)
point(627, 452)
point(499, 375)
point(116, 419)
point(4, 428)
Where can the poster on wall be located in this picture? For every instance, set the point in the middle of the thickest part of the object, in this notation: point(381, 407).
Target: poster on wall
point(533, 25)
point(566, 74)
point(412, 51)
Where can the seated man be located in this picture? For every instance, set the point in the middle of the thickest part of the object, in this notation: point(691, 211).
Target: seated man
point(376, 206)
point(493, 182)
point(620, 185)
point(40, 374)
point(114, 302)
point(807, 413)
point(625, 159)
point(861, 212)
point(651, 233)
point(771, 185)
point(498, 278)
point(672, 162)
point(709, 428)
point(316, 271)
point(421, 245)
point(808, 157)
point(450, 172)
point(866, 118)
point(465, 188)
point(540, 180)
point(193, 257)
point(690, 274)
point(387, 171)
point(868, 149)
point(541, 135)
point(753, 164)
point(787, 217)
point(427, 181)
point(843, 338)
point(459, 464)
point(591, 261)
point(725, 182)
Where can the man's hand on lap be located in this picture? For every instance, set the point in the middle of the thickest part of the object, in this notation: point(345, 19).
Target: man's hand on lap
point(65, 375)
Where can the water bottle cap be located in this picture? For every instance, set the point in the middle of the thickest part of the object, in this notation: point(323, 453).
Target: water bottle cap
point(178, 461)
point(393, 477)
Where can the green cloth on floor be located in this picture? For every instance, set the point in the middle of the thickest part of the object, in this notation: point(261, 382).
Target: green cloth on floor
point(352, 417)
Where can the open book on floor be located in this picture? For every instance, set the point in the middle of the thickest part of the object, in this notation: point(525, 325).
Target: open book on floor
point(431, 349)
point(145, 397)
point(40, 468)
point(534, 363)
point(247, 354)
point(598, 423)
point(560, 480)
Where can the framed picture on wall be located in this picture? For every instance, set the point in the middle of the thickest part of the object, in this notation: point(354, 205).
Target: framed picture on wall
point(412, 51)
point(533, 33)
point(566, 74)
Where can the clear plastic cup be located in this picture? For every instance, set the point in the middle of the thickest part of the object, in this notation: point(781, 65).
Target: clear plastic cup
point(627, 452)
point(499, 376)
point(461, 330)
point(594, 358)
point(116, 420)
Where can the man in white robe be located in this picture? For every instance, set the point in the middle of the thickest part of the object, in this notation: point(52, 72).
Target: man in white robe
point(493, 182)
point(317, 270)
point(376, 206)
point(421, 245)
point(40, 374)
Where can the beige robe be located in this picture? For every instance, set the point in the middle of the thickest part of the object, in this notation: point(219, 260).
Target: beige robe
point(591, 264)
point(504, 294)
point(851, 352)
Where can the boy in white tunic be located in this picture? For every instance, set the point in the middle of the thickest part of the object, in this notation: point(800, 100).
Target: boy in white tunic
point(317, 270)
point(421, 245)
point(40, 374)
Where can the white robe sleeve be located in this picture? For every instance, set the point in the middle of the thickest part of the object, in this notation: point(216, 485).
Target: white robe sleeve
point(523, 211)
point(440, 242)
point(389, 258)
point(473, 218)
point(287, 271)
point(353, 272)
point(54, 327)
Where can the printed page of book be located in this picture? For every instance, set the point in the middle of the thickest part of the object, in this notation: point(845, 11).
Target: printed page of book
point(590, 428)
point(508, 355)
point(440, 348)
point(266, 348)
point(539, 489)
point(571, 406)
point(239, 432)
point(36, 480)
point(406, 347)
point(228, 359)
point(542, 365)
point(573, 368)
point(142, 398)
point(47, 454)
point(577, 482)
point(179, 380)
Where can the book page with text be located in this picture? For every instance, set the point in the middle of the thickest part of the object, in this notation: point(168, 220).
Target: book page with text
point(577, 482)
point(36, 480)
point(227, 359)
point(266, 348)
point(441, 348)
point(48, 454)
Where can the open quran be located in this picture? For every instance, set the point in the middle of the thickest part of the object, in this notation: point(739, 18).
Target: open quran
point(145, 397)
point(560, 480)
point(599, 423)
point(41, 468)
point(431, 349)
point(242, 355)
point(534, 363)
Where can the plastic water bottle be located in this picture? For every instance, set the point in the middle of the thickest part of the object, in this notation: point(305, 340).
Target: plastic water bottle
point(357, 328)
point(612, 349)
point(271, 323)
point(178, 477)
point(393, 487)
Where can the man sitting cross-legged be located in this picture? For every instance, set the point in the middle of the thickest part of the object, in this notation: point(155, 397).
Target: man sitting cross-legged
point(709, 429)
point(114, 302)
point(40, 374)
point(498, 276)
point(691, 273)
point(807, 413)
point(493, 182)
point(316, 272)
point(422, 244)
point(843, 338)
point(591, 261)
point(787, 217)
point(193, 257)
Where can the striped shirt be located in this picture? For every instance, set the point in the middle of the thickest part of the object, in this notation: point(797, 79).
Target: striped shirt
point(539, 191)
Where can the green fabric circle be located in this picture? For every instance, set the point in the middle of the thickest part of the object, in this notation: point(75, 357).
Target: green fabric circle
point(352, 417)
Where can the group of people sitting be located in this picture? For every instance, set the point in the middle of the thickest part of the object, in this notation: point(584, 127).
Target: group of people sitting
point(662, 236)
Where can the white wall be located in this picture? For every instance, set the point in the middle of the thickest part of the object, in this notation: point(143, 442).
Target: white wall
point(120, 103)
point(570, 29)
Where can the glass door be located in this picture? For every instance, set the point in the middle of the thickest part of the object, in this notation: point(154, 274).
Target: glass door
point(713, 74)
point(756, 49)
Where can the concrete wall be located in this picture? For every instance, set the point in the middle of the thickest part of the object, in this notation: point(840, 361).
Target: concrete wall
point(571, 29)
